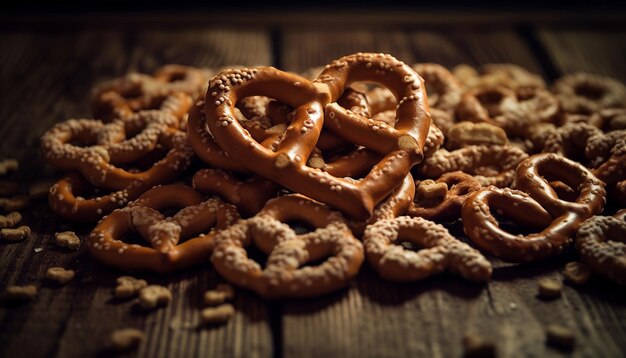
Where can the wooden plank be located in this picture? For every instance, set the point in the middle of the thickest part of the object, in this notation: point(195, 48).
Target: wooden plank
point(429, 318)
point(76, 320)
point(596, 51)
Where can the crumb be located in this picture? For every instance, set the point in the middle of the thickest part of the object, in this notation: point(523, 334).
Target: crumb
point(217, 315)
point(219, 295)
point(20, 293)
point(67, 239)
point(477, 346)
point(126, 339)
point(60, 275)
point(18, 234)
point(560, 337)
point(577, 273)
point(549, 288)
point(128, 286)
point(154, 295)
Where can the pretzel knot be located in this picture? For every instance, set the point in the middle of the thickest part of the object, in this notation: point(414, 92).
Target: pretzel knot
point(284, 274)
point(601, 245)
point(176, 242)
point(608, 153)
point(285, 162)
point(536, 207)
point(108, 147)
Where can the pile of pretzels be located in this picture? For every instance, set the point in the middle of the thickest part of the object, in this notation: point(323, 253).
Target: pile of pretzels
point(363, 159)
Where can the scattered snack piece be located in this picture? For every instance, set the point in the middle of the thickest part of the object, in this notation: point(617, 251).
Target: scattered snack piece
point(222, 293)
point(560, 337)
point(217, 315)
point(126, 339)
point(60, 275)
point(20, 293)
point(549, 288)
point(8, 188)
point(476, 346)
point(67, 239)
point(128, 286)
point(14, 203)
point(10, 219)
point(430, 189)
point(18, 234)
point(154, 295)
point(8, 165)
point(469, 133)
point(577, 273)
point(39, 190)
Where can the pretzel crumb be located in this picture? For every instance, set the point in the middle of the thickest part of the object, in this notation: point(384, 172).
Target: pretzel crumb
point(406, 142)
point(282, 161)
point(10, 219)
point(60, 275)
point(8, 165)
point(14, 203)
point(560, 337)
point(128, 286)
point(316, 162)
point(219, 295)
point(39, 190)
point(429, 189)
point(476, 346)
point(577, 273)
point(126, 339)
point(67, 239)
point(153, 296)
point(18, 234)
point(217, 315)
point(549, 288)
point(20, 293)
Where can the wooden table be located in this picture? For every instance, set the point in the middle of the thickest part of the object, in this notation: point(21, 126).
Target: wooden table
point(47, 68)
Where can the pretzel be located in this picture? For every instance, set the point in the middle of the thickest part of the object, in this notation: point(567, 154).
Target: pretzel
point(491, 165)
point(285, 164)
point(440, 251)
point(508, 75)
point(248, 196)
point(570, 140)
point(600, 243)
point(170, 89)
point(512, 111)
point(166, 252)
point(608, 154)
point(99, 163)
point(535, 206)
point(282, 275)
point(443, 200)
point(585, 93)
point(444, 93)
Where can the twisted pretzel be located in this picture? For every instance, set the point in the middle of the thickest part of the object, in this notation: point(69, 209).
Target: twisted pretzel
point(585, 93)
point(570, 140)
point(608, 153)
point(601, 245)
point(490, 165)
point(503, 74)
point(444, 93)
point(283, 275)
point(535, 206)
point(164, 235)
point(285, 164)
point(98, 163)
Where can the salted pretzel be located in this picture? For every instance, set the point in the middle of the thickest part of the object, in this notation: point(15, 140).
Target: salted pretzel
point(286, 163)
point(180, 241)
point(571, 140)
point(248, 196)
point(500, 74)
point(444, 93)
point(607, 153)
point(534, 206)
point(489, 164)
point(441, 200)
point(439, 250)
point(171, 89)
point(601, 245)
point(99, 163)
point(585, 93)
point(470, 133)
point(284, 274)
point(512, 111)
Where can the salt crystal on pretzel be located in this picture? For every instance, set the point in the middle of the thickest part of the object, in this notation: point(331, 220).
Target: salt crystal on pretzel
point(167, 252)
point(284, 274)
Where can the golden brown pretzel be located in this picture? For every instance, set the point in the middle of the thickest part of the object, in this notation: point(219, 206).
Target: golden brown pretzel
point(435, 204)
point(444, 93)
point(600, 243)
point(491, 165)
point(285, 164)
point(570, 140)
point(282, 275)
point(248, 196)
point(98, 163)
point(500, 74)
point(167, 252)
point(536, 208)
point(607, 153)
point(585, 93)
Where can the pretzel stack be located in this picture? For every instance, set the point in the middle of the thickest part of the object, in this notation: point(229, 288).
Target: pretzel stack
point(343, 165)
